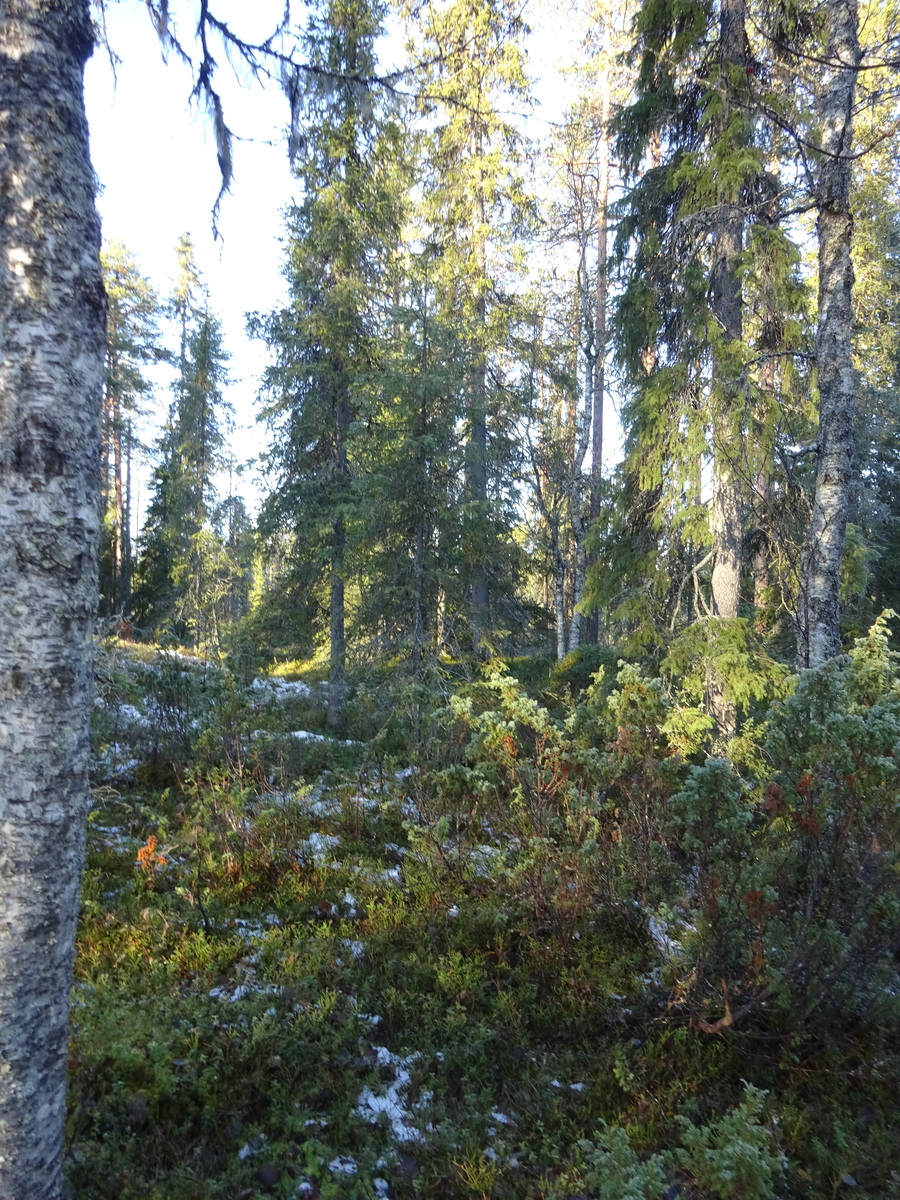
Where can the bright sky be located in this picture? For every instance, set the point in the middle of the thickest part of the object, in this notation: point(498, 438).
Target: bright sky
point(156, 161)
point(155, 158)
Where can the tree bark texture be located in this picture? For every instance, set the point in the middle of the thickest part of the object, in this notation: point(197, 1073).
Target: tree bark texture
point(52, 333)
point(820, 630)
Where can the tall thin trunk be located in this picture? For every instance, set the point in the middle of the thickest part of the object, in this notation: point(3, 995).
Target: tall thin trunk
point(820, 617)
point(727, 514)
point(763, 489)
point(477, 449)
point(581, 436)
point(118, 502)
point(126, 522)
point(477, 480)
point(559, 593)
point(592, 626)
point(337, 665)
point(577, 623)
point(52, 329)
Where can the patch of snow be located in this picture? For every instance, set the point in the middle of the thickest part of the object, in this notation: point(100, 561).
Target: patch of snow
point(304, 735)
point(128, 712)
point(185, 660)
point(381, 1186)
point(390, 1103)
point(357, 949)
point(252, 1147)
point(281, 687)
point(661, 933)
point(319, 847)
point(248, 930)
point(232, 994)
point(342, 1165)
point(485, 861)
point(115, 762)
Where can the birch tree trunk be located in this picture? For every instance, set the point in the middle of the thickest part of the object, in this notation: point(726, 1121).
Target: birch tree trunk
point(820, 629)
point(727, 306)
point(592, 625)
point(52, 331)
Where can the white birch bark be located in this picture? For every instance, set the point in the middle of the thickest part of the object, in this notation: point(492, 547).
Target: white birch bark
point(820, 630)
point(52, 328)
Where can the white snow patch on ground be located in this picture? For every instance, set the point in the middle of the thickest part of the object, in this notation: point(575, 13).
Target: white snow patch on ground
point(342, 1165)
point(304, 735)
point(249, 930)
point(390, 1103)
point(280, 688)
point(128, 712)
point(115, 762)
point(319, 847)
point(184, 660)
point(485, 861)
point(663, 937)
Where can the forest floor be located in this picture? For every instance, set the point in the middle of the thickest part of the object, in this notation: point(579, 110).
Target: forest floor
point(295, 979)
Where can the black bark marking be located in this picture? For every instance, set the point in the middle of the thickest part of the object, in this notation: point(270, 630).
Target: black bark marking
point(36, 451)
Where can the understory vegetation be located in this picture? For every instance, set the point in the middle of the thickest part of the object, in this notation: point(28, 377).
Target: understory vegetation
point(523, 940)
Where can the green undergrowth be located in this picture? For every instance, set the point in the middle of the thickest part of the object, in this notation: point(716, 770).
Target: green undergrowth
point(557, 958)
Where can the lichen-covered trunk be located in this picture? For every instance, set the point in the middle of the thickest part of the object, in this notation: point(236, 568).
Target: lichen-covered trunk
point(819, 623)
point(52, 329)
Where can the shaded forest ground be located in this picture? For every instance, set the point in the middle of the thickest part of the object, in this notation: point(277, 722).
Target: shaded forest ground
point(551, 951)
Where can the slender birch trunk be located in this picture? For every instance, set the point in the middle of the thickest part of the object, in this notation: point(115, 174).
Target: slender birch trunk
point(592, 624)
point(52, 334)
point(820, 628)
point(559, 592)
point(727, 503)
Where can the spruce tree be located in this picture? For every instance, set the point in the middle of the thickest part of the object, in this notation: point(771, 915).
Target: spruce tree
point(180, 551)
point(340, 236)
point(132, 342)
point(475, 205)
